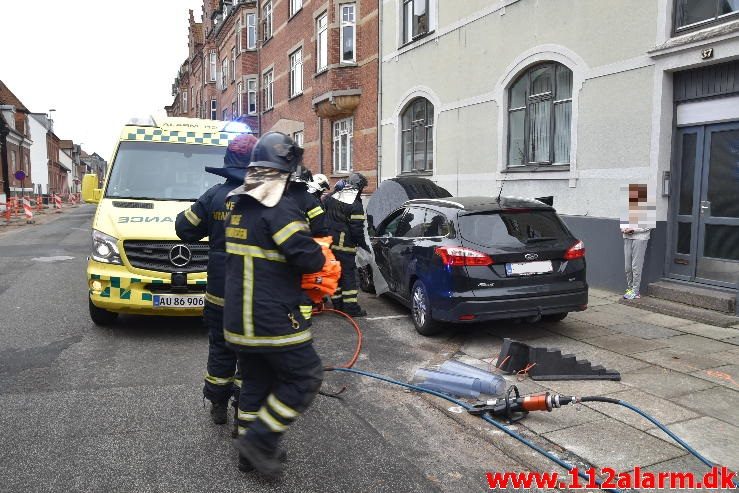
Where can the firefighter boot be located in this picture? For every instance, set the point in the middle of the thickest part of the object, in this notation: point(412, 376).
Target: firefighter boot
point(245, 465)
point(218, 411)
point(265, 461)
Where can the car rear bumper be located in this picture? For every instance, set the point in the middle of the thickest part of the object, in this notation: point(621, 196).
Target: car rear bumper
point(463, 309)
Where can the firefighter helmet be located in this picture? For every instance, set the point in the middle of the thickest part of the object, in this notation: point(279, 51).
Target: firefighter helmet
point(277, 151)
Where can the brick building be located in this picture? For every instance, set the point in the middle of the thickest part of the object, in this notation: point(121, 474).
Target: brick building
point(300, 67)
point(15, 143)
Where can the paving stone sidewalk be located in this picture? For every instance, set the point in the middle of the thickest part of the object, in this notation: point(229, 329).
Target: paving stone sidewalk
point(683, 373)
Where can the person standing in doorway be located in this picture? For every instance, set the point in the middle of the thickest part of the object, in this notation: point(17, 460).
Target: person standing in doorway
point(636, 229)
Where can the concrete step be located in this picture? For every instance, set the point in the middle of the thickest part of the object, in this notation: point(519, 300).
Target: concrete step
point(723, 301)
point(682, 310)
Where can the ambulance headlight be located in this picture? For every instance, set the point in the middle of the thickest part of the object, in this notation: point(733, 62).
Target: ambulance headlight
point(104, 248)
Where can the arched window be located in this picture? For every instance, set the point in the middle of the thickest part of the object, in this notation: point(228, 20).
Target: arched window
point(417, 136)
point(540, 116)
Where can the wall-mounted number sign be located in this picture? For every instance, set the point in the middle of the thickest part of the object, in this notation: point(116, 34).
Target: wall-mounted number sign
point(707, 53)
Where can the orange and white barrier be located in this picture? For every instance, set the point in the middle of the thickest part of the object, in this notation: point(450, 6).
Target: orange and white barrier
point(27, 209)
point(57, 202)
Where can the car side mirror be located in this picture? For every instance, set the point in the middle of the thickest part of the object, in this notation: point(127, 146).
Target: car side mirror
point(90, 193)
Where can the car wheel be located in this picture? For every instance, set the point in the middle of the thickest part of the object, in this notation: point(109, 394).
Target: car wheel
point(554, 317)
point(421, 311)
point(100, 316)
point(366, 283)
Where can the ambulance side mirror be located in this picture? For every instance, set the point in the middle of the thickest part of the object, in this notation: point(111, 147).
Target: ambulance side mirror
point(90, 193)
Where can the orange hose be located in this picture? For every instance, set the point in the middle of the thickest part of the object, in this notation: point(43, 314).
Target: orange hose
point(357, 349)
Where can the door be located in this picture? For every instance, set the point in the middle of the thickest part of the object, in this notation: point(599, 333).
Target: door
point(401, 255)
point(706, 213)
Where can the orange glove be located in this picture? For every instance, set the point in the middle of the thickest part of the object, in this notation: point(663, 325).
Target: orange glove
point(326, 282)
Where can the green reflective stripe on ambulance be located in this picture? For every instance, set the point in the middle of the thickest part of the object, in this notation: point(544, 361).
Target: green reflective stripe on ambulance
point(192, 217)
point(316, 211)
point(285, 233)
point(268, 341)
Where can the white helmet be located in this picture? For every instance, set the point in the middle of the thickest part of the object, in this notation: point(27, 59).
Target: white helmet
point(319, 182)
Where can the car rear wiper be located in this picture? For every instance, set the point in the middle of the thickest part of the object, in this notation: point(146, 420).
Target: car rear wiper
point(537, 240)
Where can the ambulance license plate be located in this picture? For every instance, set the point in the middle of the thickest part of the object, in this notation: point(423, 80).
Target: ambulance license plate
point(178, 300)
point(528, 268)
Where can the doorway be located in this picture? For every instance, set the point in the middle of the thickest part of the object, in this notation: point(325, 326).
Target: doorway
point(705, 214)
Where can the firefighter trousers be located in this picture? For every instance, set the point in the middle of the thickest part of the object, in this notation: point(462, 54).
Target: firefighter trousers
point(221, 379)
point(345, 298)
point(277, 388)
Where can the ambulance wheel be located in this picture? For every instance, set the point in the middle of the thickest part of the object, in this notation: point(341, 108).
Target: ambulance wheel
point(100, 316)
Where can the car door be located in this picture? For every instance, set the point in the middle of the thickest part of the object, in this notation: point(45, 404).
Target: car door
point(402, 255)
point(383, 243)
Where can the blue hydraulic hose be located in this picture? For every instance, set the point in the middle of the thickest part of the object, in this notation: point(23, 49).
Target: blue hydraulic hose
point(486, 417)
point(659, 425)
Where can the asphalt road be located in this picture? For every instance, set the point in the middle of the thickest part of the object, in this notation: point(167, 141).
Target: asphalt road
point(120, 409)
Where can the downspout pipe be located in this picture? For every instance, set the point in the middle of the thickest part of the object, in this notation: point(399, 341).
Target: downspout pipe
point(379, 92)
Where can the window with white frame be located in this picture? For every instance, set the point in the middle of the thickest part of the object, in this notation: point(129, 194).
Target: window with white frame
point(233, 64)
point(213, 67)
point(239, 99)
point(184, 101)
point(695, 14)
point(294, 6)
point(224, 73)
point(296, 72)
point(540, 116)
point(417, 136)
point(251, 31)
point(192, 97)
point(213, 109)
point(251, 96)
point(267, 20)
point(269, 101)
point(298, 138)
point(348, 33)
point(415, 19)
point(322, 42)
point(343, 136)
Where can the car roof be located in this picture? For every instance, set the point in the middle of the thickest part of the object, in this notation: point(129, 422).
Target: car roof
point(482, 204)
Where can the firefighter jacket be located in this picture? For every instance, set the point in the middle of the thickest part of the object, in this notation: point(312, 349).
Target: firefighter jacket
point(268, 250)
point(311, 207)
point(206, 217)
point(346, 223)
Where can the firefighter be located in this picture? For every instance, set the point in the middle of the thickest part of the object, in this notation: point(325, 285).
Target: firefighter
point(318, 185)
point(346, 222)
point(299, 191)
point(206, 217)
point(269, 247)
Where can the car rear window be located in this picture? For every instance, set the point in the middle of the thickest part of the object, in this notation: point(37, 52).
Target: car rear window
point(512, 228)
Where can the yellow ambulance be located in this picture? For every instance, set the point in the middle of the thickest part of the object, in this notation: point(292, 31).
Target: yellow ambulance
point(138, 265)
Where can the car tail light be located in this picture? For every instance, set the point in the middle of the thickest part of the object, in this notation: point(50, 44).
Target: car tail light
point(575, 251)
point(465, 318)
point(458, 257)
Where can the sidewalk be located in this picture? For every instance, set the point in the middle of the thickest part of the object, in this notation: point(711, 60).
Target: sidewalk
point(684, 374)
point(39, 217)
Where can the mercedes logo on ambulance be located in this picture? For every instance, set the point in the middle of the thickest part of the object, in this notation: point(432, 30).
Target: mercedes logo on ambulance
point(180, 255)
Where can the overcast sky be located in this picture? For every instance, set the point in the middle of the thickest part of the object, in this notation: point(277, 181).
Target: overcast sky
point(96, 63)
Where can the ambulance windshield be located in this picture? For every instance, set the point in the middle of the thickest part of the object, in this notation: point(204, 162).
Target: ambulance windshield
point(163, 171)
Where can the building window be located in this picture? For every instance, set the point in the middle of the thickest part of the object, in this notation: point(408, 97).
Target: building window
point(417, 136)
point(267, 20)
point(184, 101)
point(322, 42)
point(298, 138)
point(213, 109)
point(695, 13)
point(251, 31)
point(294, 7)
point(540, 116)
point(251, 96)
point(192, 97)
point(348, 33)
point(343, 136)
point(213, 67)
point(239, 34)
point(296, 72)
point(239, 99)
point(233, 110)
point(233, 64)
point(269, 101)
point(224, 73)
point(225, 114)
point(415, 19)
